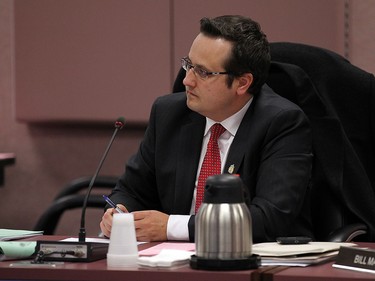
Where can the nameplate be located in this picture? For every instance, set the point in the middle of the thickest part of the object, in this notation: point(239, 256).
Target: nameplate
point(356, 259)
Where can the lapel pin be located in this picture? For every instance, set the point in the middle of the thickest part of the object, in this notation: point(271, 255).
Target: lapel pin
point(231, 169)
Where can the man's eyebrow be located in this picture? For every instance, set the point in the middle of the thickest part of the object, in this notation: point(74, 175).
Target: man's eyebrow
point(188, 59)
point(199, 65)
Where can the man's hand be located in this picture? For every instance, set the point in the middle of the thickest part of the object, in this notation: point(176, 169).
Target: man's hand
point(150, 225)
point(106, 223)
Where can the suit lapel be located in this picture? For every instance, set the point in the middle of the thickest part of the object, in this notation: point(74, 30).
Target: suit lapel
point(240, 145)
point(188, 153)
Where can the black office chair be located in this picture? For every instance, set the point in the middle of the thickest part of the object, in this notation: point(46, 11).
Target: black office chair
point(331, 217)
point(342, 184)
point(72, 197)
point(339, 100)
point(81, 185)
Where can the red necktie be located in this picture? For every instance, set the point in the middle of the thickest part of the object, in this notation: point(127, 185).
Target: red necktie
point(211, 163)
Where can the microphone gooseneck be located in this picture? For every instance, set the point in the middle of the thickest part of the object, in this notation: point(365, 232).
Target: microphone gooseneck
point(120, 122)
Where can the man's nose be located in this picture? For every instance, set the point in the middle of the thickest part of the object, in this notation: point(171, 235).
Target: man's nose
point(190, 78)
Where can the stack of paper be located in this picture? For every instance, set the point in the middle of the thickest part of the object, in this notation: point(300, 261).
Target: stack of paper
point(167, 255)
point(166, 258)
point(297, 255)
point(13, 234)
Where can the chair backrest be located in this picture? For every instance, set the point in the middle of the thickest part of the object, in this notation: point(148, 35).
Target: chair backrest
point(50, 218)
point(81, 184)
point(347, 90)
point(178, 86)
point(70, 198)
point(338, 98)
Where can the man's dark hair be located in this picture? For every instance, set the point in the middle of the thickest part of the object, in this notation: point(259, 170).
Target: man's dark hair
point(250, 51)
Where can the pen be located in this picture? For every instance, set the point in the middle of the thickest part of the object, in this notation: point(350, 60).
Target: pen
point(113, 205)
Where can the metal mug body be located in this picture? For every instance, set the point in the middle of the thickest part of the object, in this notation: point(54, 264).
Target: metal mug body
point(223, 231)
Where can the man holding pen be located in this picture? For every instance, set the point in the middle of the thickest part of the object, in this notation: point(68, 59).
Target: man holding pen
point(265, 139)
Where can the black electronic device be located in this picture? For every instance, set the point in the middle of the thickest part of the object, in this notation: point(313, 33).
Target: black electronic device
point(293, 240)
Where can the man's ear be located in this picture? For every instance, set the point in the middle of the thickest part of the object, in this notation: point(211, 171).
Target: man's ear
point(244, 83)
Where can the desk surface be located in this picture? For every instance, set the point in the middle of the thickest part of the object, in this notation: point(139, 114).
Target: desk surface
point(322, 272)
point(98, 270)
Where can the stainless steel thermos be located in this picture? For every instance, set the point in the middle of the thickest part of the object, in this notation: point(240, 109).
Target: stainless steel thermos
point(223, 229)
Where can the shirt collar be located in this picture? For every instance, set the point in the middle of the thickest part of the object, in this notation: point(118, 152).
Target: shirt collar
point(232, 123)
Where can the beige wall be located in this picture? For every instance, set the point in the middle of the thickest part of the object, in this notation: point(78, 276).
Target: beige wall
point(50, 155)
point(361, 38)
point(113, 57)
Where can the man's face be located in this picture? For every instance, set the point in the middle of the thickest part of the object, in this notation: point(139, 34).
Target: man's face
point(210, 97)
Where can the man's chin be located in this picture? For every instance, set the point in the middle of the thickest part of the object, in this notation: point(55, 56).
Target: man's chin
point(191, 103)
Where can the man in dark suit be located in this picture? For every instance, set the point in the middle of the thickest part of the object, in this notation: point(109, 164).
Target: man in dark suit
point(267, 141)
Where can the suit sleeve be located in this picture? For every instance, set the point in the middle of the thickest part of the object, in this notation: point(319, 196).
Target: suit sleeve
point(279, 204)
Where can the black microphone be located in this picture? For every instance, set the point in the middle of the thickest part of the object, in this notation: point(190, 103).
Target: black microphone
point(120, 122)
point(80, 251)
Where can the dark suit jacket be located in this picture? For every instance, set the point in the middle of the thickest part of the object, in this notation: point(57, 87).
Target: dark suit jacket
point(271, 152)
point(339, 100)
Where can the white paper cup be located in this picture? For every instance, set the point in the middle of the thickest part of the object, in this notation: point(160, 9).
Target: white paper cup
point(122, 250)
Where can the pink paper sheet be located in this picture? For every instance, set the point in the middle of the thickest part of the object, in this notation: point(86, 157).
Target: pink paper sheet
point(152, 251)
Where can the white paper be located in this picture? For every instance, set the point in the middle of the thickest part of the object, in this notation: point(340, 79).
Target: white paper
point(93, 240)
point(166, 258)
point(273, 249)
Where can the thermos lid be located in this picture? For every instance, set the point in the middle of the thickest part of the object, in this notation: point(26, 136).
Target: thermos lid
point(224, 188)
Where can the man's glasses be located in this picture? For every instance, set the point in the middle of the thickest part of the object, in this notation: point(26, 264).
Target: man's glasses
point(202, 73)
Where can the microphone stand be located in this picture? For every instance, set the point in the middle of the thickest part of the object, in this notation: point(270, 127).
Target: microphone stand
point(82, 232)
point(80, 251)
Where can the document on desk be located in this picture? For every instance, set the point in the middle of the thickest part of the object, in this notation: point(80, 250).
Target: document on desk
point(93, 240)
point(14, 234)
point(182, 246)
point(167, 254)
point(298, 255)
